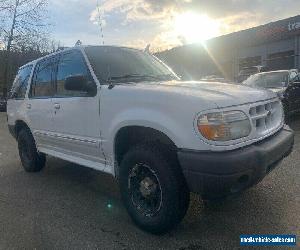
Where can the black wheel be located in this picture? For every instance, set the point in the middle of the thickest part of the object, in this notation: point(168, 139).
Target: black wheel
point(31, 159)
point(153, 189)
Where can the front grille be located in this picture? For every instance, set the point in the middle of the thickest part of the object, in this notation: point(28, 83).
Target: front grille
point(266, 117)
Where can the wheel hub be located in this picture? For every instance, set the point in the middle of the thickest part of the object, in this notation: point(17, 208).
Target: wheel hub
point(147, 187)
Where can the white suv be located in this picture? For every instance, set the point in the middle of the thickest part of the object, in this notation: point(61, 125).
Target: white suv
point(124, 112)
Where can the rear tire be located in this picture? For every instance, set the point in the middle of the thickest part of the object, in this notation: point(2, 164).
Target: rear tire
point(31, 159)
point(153, 189)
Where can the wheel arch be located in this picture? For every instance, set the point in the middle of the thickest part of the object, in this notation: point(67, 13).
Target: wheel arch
point(130, 136)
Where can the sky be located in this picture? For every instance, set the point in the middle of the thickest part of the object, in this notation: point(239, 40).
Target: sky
point(162, 23)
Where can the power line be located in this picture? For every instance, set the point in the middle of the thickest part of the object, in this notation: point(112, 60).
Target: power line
point(100, 22)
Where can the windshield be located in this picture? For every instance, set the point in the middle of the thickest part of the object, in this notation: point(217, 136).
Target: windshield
point(248, 71)
point(119, 65)
point(270, 80)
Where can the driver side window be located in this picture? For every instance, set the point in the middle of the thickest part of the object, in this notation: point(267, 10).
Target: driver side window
point(71, 64)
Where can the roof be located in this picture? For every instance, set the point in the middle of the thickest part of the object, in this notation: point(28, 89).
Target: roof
point(81, 47)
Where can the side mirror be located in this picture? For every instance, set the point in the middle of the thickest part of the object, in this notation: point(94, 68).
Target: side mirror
point(80, 83)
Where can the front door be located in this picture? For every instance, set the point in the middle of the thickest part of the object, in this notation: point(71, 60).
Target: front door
point(76, 113)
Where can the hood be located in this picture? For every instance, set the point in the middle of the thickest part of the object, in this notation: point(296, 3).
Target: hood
point(221, 94)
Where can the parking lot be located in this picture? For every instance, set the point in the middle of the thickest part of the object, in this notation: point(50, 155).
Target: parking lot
point(68, 207)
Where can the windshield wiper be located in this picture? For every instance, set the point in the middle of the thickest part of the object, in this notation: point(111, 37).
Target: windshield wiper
point(114, 80)
point(129, 76)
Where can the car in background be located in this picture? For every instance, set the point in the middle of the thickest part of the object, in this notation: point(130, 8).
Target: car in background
point(285, 83)
point(246, 72)
point(3, 102)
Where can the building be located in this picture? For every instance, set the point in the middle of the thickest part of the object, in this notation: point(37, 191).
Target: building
point(275, 45)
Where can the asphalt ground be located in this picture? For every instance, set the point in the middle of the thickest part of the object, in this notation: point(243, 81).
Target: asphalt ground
point(67, 206)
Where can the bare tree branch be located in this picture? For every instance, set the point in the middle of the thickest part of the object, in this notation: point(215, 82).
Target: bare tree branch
point(22, 25)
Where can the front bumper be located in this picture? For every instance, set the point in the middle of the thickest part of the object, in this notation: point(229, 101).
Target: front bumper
point(217, 174)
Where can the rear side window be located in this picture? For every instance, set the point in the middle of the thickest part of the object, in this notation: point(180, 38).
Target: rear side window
point(20, 84)
point(71, 64)
point(42, 79)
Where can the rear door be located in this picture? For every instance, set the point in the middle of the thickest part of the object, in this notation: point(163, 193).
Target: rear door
point(39, 103)
point(16, 98)
point(76, 113)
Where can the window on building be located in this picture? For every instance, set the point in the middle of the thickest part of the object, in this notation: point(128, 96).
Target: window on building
point(249, 62)
point(281, 60)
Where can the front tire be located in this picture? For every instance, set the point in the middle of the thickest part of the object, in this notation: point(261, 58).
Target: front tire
point(153, 189)
point(31, 159)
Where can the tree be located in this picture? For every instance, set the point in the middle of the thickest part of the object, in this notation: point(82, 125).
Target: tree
point(22, 22)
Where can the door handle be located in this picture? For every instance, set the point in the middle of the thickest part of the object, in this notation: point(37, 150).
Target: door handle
point(57, 106)
point(28, 106)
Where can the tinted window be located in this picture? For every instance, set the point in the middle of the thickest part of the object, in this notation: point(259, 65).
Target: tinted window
point(71, 64)
point(42, 79)
point(21, 82)
point(126, 65)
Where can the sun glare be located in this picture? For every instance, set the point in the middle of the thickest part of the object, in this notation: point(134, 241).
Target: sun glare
point(195, 28)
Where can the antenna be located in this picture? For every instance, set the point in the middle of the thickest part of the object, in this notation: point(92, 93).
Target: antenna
point(100, 22)
point(147, 49)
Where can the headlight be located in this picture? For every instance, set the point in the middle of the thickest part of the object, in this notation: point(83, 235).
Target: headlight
point(224, 126)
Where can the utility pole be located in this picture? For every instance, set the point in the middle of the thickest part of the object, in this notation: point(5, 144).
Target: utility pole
point(100, 22)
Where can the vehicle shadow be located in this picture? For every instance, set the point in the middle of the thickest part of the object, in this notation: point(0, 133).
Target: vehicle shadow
point(206, 225)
